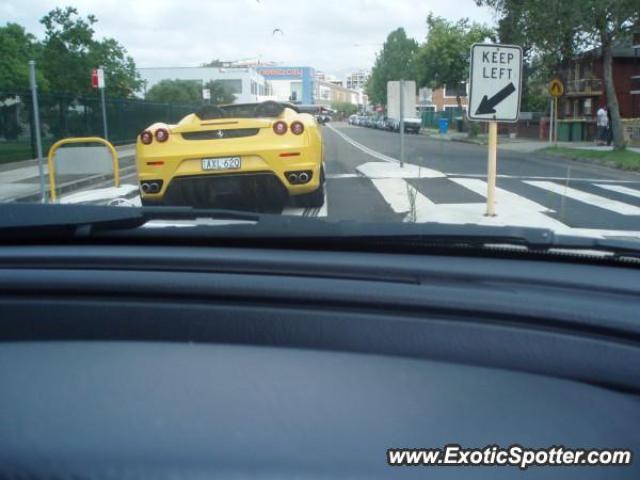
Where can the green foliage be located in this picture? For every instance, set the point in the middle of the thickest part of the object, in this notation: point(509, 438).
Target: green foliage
point(220, 93)
point(344, 109)
point(474, 129)
point(121, 77)
point(189, 92)
point(70, 52)
point(396, 61)
point(176, 91)
point(17, 47)
point(443, 59)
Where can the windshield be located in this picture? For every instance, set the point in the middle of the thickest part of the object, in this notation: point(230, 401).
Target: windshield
point(477, 112)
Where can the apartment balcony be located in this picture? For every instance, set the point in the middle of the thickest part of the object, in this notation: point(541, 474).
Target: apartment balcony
point(586, 87)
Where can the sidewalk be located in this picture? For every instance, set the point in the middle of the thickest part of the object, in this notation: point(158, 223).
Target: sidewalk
point(524, 145)
point(20, 181)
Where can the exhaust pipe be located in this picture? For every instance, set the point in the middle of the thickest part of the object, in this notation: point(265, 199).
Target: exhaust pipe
point(144, 187)
point(293, 178)
point(303, 177)
point(154, 187)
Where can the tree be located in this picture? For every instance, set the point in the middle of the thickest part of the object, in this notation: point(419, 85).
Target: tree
point(214, 63)
point(70, 52)
point(443, 59)
point(220, 93)
point(17, 47)
point(176, 91)
point(121, 76)
point(560, 29)
point(396, 61)
point(344, 109)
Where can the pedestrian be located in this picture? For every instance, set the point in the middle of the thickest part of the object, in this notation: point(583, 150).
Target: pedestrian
point(601, 123)
point(609, 128)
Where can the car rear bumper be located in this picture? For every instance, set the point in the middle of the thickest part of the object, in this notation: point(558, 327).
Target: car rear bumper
point(234, 191)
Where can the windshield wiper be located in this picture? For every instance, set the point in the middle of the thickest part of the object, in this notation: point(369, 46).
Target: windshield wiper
point(86, 219)
point(28, 220)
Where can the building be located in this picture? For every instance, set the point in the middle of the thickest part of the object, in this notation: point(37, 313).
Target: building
point(446, 98)
point(245, 82)
point(584, 83)
point(357, 80)
point(442, 99)
point(327, 93)
point(290, 84)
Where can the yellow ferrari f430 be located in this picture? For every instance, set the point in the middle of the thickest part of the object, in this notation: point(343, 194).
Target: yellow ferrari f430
point(234, 156)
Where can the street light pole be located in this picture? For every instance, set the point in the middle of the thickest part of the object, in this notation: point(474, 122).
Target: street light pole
point(36, 126)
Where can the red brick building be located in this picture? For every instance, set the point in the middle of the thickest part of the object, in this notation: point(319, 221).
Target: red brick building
point(584, 83)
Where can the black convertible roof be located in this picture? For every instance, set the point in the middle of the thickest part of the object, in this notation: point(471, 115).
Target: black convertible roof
point(244, 110)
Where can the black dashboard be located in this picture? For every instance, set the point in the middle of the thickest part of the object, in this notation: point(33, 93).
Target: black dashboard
point(176, 362)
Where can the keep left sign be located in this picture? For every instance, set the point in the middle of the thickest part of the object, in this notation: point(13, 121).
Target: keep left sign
point(495, 82)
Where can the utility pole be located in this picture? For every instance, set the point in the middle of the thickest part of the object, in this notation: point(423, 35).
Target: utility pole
point(36, 127)
point(401, 123)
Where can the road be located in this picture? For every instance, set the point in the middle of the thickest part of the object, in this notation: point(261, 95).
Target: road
point(446, 182)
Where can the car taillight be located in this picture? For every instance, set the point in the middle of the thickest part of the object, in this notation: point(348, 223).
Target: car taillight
point(146, 137)
point(280, 128)
point(297, 128)
point(162, 135)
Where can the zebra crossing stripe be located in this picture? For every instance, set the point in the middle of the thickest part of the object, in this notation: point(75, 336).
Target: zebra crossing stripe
point(588, 198)
point(619, 189)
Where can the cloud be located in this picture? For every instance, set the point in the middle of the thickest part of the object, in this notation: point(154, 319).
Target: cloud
point(335, 36)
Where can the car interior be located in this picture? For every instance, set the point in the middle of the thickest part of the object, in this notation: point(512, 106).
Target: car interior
point(144, 357)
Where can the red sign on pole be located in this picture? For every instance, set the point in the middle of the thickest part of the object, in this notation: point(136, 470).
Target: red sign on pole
point(97, 78)
point(94, 78)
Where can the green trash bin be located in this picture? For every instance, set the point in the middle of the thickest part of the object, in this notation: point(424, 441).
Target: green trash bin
point(564, 131)
point(577, 131)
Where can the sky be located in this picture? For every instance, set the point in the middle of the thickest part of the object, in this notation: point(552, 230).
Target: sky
point(334, 36)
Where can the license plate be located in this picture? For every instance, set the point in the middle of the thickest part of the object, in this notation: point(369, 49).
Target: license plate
point(226, 163)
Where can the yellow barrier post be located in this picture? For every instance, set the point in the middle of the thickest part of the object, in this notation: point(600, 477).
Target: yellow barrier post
point(76, 140)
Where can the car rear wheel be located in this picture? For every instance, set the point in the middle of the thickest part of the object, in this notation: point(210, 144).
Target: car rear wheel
point(314, 199)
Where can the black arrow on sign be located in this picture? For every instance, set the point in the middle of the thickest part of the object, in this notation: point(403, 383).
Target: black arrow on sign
point(487, 105)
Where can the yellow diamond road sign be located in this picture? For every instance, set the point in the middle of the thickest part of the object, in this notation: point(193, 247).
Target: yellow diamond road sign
point(556, 88)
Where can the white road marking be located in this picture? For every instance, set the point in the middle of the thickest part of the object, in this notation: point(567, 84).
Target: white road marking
point(619, 189)
point(588, 198)
point(396, 193)
point(505, 200)
point(527, 177)
point(323, 210)
point(342, 175)
point(367, 150)
point(294, 212)
point(389, 170)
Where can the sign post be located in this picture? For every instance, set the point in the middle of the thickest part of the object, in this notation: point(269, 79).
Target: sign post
point(97, 81)
point(494, 96)
point(401, 123)
point(556, 90)
point(36, 126)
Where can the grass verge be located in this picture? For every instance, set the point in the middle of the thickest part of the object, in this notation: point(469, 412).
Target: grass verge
point(625, 159)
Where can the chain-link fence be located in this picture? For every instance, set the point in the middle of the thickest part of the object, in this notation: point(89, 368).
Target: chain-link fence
point(64, 116)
